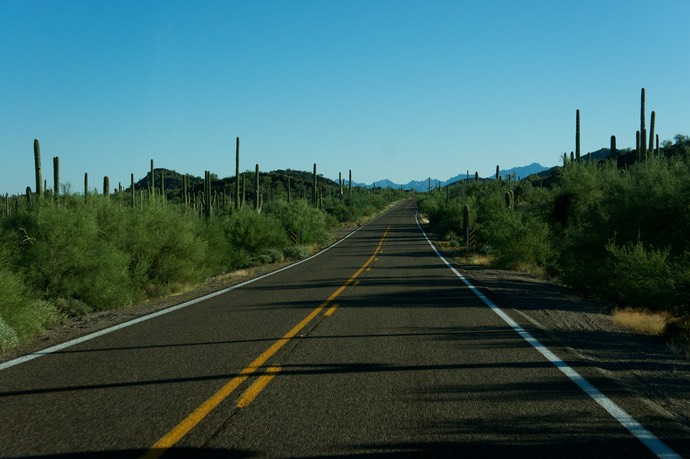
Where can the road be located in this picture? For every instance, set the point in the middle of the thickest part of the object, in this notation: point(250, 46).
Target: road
point(374, 348)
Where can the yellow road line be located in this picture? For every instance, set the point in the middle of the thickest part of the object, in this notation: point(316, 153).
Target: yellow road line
point(175, 435)
point(250, 394)
point(330, 311)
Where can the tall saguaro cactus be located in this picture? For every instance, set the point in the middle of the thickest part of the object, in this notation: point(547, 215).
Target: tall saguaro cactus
point(466, 221)
point(185, 187)
point(152, 187)
point(56, 177)
point(37, 165)
point(207, 194)
point(643, 129)
point(314, 195)
point(657, 145)
point(577, 133)
point(613, 147)
point(106, 186)
point(349, 187)
point(86, 186)
point(162, 185)
point(652, 121)
point(257, 190)
point(131, 190)
point(238, 201)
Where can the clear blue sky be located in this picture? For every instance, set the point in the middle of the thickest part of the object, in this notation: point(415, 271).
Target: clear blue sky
point(390, 89)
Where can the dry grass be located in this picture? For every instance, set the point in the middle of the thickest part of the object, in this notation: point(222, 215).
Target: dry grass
point(475, 259)
point(649, 323)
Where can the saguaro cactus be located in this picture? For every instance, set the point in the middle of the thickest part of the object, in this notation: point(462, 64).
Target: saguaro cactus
point(37, 165)
point(162, 185)
point(509, 199)
point(131, 190)
point(349, 186)
point(652, 121)
point(106, 186)
point(657, 145)
point(315, 195)
point(244, 189)
point(185, 186)
point(152, 187)
point(643, 129)
point(577, 133)
point(257, 190)
point(498, 173)
point(613, 153)
point(207, 194)
point(56, 177)
point(238, 201)
point(86, 186)
point(465, 220)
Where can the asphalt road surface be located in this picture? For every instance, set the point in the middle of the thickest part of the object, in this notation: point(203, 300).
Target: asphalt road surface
point(374, 348)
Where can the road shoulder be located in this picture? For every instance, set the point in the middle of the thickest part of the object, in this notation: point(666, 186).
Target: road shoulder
point(639, 363)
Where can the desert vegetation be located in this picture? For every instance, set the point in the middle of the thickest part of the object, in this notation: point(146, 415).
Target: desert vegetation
point(614, 228)
point(66, 254)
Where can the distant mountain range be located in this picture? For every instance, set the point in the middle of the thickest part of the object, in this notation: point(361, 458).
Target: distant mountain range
point(423, 185)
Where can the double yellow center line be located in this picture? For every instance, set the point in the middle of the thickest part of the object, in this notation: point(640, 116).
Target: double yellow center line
point(176, 434)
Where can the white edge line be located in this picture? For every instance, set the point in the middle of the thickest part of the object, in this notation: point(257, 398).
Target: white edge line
point(657, 446)
point(105, 331)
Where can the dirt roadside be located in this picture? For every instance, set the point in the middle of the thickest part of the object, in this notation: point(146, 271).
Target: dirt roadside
point(642, 364)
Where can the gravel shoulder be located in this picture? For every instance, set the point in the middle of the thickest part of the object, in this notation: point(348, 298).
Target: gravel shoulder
point(642, 364)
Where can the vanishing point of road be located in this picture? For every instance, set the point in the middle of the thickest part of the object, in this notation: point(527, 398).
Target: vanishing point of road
point(374, 348)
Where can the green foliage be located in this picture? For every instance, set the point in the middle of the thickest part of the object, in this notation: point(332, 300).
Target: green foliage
point(518, 240)
point(297, 252)
point(21, 313)
point(63, 255)
point(616, 232)
point(298, 215)
point(640, 276)
point(251, 232)
point(82, 255)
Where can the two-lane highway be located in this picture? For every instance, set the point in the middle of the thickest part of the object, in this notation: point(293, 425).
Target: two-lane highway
point(373, 348)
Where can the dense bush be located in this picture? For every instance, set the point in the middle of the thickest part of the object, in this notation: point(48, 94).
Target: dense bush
point(21, 314)
point(76, 257)
point(62, 254)
point(618, 233)
point(298, 215)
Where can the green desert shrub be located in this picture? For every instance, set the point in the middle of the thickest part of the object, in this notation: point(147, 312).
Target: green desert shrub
point(63, 255)
point(22, 315)
point(251, 232)
point(298, 216)
point(165, 247)
point(518, 240)
point(297, 252)
point(639, 276)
